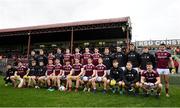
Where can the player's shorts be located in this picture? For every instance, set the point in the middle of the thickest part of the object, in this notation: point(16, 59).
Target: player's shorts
point(163, 71)
point(85, 78)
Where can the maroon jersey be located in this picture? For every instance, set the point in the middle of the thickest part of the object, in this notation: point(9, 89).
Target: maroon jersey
point(162, 58)
point(21, 71)
point(77, 56)
point(67, 57)
point(67, 69)
point(50, 69)
point(85, 57)
point(57, 69)
point(77, 69)
point(150, 77)
point(100, 68)
point(95, 57)
point(89, 69)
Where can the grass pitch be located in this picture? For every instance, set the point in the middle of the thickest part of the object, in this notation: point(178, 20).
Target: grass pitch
point(30, 97)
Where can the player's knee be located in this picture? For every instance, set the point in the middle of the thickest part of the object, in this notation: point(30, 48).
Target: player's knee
point(137, 85)
point(159, 85)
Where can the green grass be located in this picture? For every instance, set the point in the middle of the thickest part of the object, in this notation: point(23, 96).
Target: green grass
point(30, 97)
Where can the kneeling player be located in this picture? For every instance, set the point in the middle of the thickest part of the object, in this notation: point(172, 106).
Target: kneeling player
point(150, 80)
point(131, 79)
point(88, 74)
point(18, 75)
point(77, 71)
point(116, 77)
point(100, 75)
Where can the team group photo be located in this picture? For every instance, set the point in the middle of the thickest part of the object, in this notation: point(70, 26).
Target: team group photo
point(85, 54)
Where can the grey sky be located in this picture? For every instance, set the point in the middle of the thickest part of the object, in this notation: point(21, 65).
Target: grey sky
point(151, 19)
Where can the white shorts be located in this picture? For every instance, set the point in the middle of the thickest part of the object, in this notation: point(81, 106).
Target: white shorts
point(163, 71)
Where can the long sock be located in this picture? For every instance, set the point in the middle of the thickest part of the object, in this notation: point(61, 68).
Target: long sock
point(167, 90)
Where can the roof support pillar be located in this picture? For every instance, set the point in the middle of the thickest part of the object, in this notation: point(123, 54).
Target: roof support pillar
point(72, 39)
point(29, 44)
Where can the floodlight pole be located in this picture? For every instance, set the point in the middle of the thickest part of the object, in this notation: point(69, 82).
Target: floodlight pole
point(72, 39)
point(29, 43)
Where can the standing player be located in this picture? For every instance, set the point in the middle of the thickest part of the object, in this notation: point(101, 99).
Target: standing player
point(116, 75)
point(131, 79)
point(51, 56)
point(86, 56)
point(89, 73)
point(163, 57)
point(32, 57)
point(58, 73)
point(59, 55)
point(100, 75)
point(145, 58)
point(41, 57)
point(96, 56)
point(121, 57)
point(150, 80)
point(76, 55)
point(18, 75)
point(67, 56)
point(50, 74)
point(77, 71)
point(107, 60)
point(134, 57)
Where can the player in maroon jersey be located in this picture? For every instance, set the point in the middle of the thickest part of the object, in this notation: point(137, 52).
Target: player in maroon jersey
point(51, 56)
point(19, 74)
point(58, 73)
point(100, 75)
point(150, 80)
point(76, 55)
point(96, 56)
point(86, 56)
point(77, 71)
point(67, 56)
point(50, 74)
point(163, 58)
point(67, 68)
point(88, 74)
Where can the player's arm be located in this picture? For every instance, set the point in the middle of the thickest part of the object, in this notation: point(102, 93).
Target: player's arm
point(171, 61)
point(27, 72)
point(71, 72)
point(53, 74)
point(104, 74)
point(81, 73)
point(136, 78)
point(46, 73)
point(94, 73)
point(142, 79)
point(158, 81)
